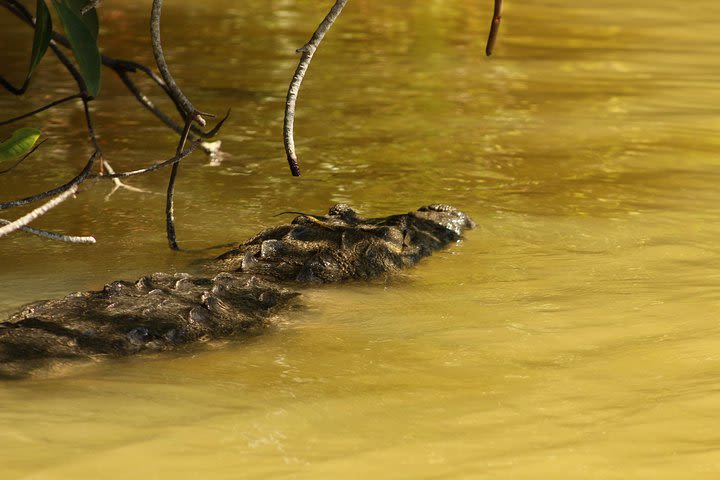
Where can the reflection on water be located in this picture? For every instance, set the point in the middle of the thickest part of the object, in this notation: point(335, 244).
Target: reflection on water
point(574, 334)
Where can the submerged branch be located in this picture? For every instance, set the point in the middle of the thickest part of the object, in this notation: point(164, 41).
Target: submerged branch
point(169, 199)
point(494, 27)
point(307, 51)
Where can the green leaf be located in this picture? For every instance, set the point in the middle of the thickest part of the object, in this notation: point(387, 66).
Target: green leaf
point(43, 32)
point(19, 143)
point(90, 18)
point(84, 46)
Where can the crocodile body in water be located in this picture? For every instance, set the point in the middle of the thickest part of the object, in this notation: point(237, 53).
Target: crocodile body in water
point(243, 289)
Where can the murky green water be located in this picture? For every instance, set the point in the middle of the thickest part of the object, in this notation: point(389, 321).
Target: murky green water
point(574, 334)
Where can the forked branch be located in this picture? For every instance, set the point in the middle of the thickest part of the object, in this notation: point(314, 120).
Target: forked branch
point(190, 113)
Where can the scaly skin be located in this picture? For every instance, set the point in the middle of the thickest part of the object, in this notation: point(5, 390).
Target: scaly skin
point(247, 288)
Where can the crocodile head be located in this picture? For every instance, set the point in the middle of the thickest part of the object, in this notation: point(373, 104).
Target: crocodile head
point(342, 245)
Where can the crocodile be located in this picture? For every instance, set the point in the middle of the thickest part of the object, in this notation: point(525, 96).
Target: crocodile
point(239, 292)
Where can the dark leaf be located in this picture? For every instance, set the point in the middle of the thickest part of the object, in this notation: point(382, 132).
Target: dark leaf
point(89, 18)
point(84, 45)
point(43, 32)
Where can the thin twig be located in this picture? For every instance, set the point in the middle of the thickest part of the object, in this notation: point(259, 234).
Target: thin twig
point(12, 88)
point(118, 183)
point(53, 235)
point(494, 27)
point(122, 67)
point(164, 118)
point(307, 51)
point(175, 92)
point(41, 109)
point(152, 168)
point(70, 67)
point(41, 210)
point(146, 102)
point(81, 177)
point(89, 125)
point(169, 199)
point(170, 209)
point(190, 113)
point(90, 5)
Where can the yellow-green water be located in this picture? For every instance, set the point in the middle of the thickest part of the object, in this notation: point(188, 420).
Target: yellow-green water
point(574, 334)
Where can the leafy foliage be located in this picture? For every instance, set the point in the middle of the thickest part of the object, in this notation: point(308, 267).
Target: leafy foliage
point(89, 18)
point(19, 143)
point(82, 31)
point(43, 33)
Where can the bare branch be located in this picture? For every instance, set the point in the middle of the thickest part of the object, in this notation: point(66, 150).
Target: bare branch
point(169, 202)
point(81, 177)
point(494, 27)
point(152, 168)
point(90, 5)
point(41, 109)
point(307, 51)
point(163, 117)
point(191, 114)
point(213, 131)
point(89, 125)
point(53, 235)
point(175, 92)
point(12, 88)
point(118, 183)
point(41, 210)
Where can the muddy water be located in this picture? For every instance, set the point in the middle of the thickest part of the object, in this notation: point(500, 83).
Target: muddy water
point(574, 334)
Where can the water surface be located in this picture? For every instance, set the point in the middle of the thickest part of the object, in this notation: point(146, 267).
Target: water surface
point(574, 334)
